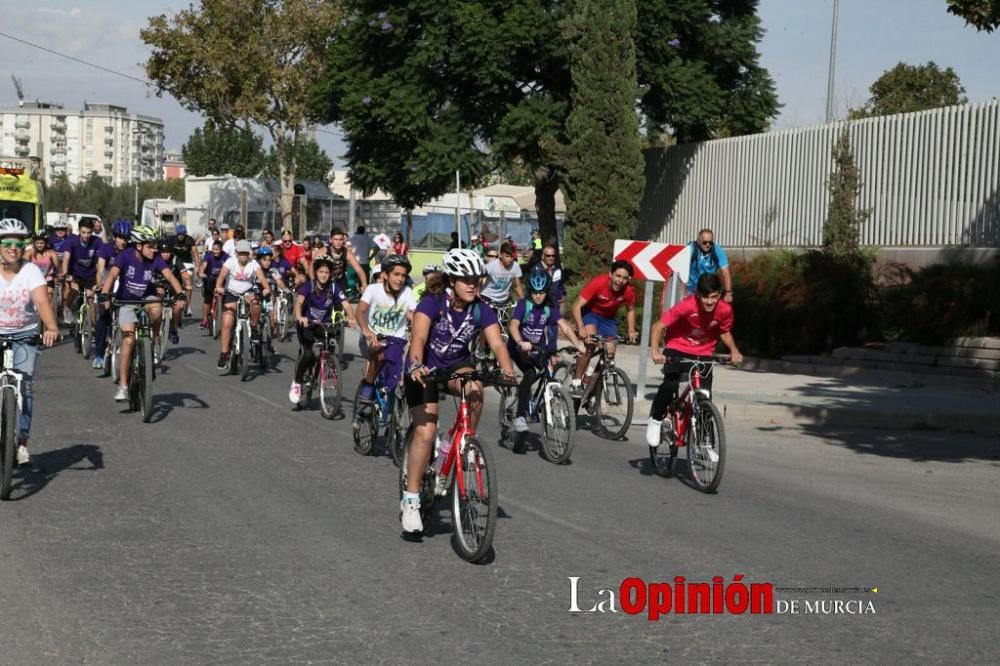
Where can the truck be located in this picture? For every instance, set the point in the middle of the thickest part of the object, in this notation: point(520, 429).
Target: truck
point(21, 193)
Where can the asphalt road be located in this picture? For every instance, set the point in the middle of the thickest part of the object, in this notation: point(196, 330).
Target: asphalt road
point(234, 530)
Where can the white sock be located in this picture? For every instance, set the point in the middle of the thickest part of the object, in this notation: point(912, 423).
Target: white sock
point(653, 432)
point(407, 495)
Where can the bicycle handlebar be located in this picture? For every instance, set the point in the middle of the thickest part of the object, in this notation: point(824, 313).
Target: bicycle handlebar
point(492, 377)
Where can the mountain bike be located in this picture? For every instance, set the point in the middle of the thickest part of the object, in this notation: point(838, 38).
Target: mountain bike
point(285, 316)
point(11, 401)
point(387, 410)
point(467, 469)
point(552, 403)
point(114, 343)
point(142, 371)
point(240, 351)
point(82, 328)
point(693, 421)
point(607, 391)
point(325, 373)
point(215, 316)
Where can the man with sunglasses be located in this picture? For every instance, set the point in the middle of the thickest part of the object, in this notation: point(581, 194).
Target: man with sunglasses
point(707, 258)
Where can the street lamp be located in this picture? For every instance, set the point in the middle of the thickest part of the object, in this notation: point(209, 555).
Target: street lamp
point(833, 60)
point(136, 137)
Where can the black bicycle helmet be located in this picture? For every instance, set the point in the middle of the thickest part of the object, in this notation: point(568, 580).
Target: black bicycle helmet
point(394, 260)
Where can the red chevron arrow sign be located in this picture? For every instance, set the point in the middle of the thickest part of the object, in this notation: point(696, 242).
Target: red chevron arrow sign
point(655, 261)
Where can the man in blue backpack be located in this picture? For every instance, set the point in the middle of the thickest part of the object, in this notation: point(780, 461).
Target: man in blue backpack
point(709, 258)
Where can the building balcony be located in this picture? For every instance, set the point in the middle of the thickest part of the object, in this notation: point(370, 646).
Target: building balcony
point(58, 126)
point(22, 136)
point(109, 128)
point(110, 140)
point(58, 160)
point(22, 124)
point(109, 166)
point(109, 153)
point(22, 151)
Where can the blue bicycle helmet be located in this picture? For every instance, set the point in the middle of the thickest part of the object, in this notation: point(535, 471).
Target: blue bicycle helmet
point(121, 227)
point(539, 281)
point(180, 229)
point(265, 251)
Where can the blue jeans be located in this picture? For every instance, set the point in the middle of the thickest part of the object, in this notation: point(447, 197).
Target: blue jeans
point(25, 356)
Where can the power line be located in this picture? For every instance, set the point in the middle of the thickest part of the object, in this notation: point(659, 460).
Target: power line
point(78, 60)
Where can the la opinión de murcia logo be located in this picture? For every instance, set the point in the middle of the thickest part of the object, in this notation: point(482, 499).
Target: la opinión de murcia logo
point(735, 597)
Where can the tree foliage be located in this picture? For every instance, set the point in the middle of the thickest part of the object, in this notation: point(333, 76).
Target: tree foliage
point(842, 229)
point(604, 164)
point(245, 61)
point(219, 150)
point(312, 162)
point(906, 88)
point(427, 87)
point(980, 14)
point(95, 195)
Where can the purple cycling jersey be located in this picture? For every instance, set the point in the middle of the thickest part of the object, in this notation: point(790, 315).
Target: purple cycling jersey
point(536, 327)
point(319, 303)
point(213, 265)
point(452, 332)
point(136, 274)
point(83, 256)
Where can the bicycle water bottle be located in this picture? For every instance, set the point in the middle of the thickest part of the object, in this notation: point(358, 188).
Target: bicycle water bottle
point(443, 447)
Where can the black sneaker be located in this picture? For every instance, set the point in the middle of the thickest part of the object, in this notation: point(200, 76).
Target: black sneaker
point(223, 361)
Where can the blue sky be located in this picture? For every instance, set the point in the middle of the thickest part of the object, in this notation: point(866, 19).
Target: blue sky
point(873, 36)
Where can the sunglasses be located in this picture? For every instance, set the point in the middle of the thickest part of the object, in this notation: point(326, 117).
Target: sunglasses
point(707, 243)
point(549, 255)
point(491, 256)
point(8, 243)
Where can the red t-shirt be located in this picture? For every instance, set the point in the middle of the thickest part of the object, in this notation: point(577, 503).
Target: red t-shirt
point(604, 302)
point(293, 253)
point(692, 331)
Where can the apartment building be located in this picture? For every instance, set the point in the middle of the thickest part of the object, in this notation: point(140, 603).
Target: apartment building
point(105, 139)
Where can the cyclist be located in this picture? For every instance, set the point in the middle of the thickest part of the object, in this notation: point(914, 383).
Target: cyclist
point(24, 299)
point(315, 301)
point(184, 250)
point(43, 256)
point(238, 276)
point(211, 266)
point(596, 311)
point(137, 266)
point(79, 262)
point(58, 240)
point(385, 309)
point(533, 337)
point(121, 231)
point(165, 247)
point(420, 289)
point(342, 257)
point(275, 281)
point(501, 274)
point(444, 327)
point(694, 327)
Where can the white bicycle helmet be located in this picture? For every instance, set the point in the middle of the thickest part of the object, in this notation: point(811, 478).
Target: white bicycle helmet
point(11, 226)
point(61, 223)
point(463, 262)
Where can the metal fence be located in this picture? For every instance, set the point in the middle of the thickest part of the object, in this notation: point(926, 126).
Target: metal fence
point(929, 179)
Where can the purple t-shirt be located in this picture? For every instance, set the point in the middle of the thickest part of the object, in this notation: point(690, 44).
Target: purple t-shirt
point(108, 252)
point(136, 274)
point(536, 327)
point(451, 334)
point(59, 244)
point(213, 265)
point(83, 258)
point(319, 303)
point(282, 266)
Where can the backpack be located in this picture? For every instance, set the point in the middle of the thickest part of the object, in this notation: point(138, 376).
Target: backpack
point(528, 305)
point(696, 252)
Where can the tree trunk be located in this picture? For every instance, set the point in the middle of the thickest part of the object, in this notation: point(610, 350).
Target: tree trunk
point(286, 179)
point(546, 186)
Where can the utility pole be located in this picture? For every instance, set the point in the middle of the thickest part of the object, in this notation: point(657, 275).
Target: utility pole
point(833, 61)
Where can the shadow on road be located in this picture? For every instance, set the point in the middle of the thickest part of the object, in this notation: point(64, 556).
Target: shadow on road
point(914, 445)
point(47, 465)
point(165, 403)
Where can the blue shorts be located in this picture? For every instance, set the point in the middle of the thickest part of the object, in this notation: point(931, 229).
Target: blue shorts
point(606, 328)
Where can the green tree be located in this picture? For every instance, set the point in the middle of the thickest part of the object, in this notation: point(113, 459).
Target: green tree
point(980, 14)
point(246, 62)
point(842, 229)
point(219, 150)
point(906, 88)
point(312, 162)
point(604, 166)
point(429, 87)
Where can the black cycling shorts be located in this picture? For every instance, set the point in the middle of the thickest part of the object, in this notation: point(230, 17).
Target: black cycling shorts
point(431, 392)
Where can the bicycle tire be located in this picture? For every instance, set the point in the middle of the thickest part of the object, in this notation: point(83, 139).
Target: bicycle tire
point(364, 438)
point(217, 318)
point(264, 348)
point(507, 411)
point(471, 541)
point(427, 496)
point(8, 442)
point(664, 456)
point(557, 436)
point(705, 473)
point(246, 351)
point(613, 422)
point(112, 356)
point(399, 424)
point(86, 331)
point(330, 387)
point(145, 352)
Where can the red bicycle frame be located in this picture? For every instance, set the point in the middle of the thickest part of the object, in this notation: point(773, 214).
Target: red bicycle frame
point(458, 432)
point(682, 416)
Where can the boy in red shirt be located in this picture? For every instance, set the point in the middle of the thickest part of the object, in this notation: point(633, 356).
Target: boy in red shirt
point(694, 327)
point(596, 310)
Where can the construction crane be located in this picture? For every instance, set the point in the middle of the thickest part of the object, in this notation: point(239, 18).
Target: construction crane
point(20, 90)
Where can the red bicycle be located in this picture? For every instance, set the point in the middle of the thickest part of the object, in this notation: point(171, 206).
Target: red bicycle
point(693, 421)
point(467, 469)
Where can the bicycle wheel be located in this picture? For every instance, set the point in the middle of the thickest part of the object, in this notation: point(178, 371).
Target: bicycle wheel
point(330, 386)
point(264, 348)
point(362, 425)
point(706, 445)
point(245, 351)
point(614, 404)
point(111, 355)
point(427, 496)
point(86, 331)
point(508, 409)
point(664, 456)
point(557, 432)
point(399, 424)
point(145, 351)
point(8, 442)
point(474, 514)
point(217, 318)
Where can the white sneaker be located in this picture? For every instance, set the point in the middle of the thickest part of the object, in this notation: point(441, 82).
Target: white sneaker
point(710, 453)
point(653, 428)
point(411, 515)
point(576, 387)
point(67, 315)
point(122, 394)
point(520, 424)
point(23, 457)
point(295, 393)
